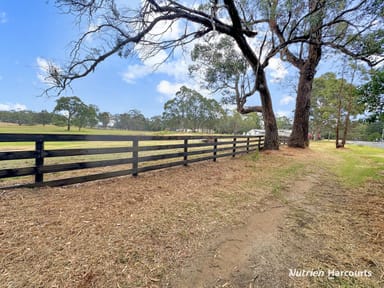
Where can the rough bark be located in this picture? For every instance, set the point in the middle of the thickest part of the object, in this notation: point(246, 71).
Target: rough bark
point(271, 141)
point(300, 129)
point(346, 127)
point(338, 121)
point(299, 136)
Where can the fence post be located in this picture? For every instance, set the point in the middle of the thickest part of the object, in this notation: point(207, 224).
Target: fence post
point(135, 156)
point(214, 149)
point(39, 161)
point(185, 152)
point(234, 147)
point(247, 144)
point(259, 143)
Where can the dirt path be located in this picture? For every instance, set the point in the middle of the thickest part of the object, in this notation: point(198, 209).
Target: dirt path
point(232, 252)
point(253, 255)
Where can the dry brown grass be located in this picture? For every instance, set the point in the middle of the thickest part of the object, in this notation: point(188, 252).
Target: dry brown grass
point(338, 228)
point(125, 232)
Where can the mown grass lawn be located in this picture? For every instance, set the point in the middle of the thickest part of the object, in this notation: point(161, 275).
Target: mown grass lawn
point(355, 164)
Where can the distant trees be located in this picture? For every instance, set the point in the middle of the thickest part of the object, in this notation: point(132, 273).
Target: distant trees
point(156, 123)
point(372, 96)
point(283, 122)
point(334, 102)
point(234, 122)
point(373, 131)
point(86, 116)
point(26, 117)
point(104, 118)
point(44, 117)
point(69, 107)
point(133, 120)
point(190, 110)
point(230, 122)
point(76, 112)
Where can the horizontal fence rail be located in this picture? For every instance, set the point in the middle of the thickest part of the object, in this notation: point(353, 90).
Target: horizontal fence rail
point(134, 155)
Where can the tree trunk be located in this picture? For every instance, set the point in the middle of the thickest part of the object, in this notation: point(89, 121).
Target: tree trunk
point(307, 67)
point(337, 136)
point(338, 121)
point(347, 116)
point(300, 129)
point(346, 127)
point(271, 140)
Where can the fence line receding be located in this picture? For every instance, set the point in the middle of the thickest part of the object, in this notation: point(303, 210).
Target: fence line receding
point(104, 156)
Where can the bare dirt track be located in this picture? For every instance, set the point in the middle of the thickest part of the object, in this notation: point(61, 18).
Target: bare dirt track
point(240, 222)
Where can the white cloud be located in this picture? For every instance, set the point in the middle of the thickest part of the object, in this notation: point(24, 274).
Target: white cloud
point(178, 69)
point(277, 70)
point(165, 30)
point(168, 89)
point(160, 62)
point(43, 65)
point(136, 72)
point(287, 114)
point(10, 106)
point(3, 18)
point(286, 100)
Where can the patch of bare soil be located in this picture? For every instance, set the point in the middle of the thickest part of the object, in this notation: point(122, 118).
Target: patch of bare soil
point(231, 252)
point(255, 254)
point(240, 222)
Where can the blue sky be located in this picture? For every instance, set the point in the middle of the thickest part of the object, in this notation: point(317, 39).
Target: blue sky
point(36, 31)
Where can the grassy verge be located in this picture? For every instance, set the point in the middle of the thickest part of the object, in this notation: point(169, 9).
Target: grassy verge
point(354, 165)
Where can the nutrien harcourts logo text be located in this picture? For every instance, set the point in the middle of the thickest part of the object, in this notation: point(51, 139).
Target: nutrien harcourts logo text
point(330, 273)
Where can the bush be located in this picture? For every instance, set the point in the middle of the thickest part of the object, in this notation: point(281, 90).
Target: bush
point(374, 136)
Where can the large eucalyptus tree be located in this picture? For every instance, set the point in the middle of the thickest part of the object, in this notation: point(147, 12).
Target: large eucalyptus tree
point(301, 31)
point(117, 28)
point(349, 27)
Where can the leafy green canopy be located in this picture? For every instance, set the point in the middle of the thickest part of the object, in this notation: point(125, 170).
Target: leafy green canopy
point(190, 110)
point(372, 96)
point(76, 112)
point(331, 94)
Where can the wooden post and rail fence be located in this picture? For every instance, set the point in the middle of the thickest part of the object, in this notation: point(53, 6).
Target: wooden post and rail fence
point(135, 155)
